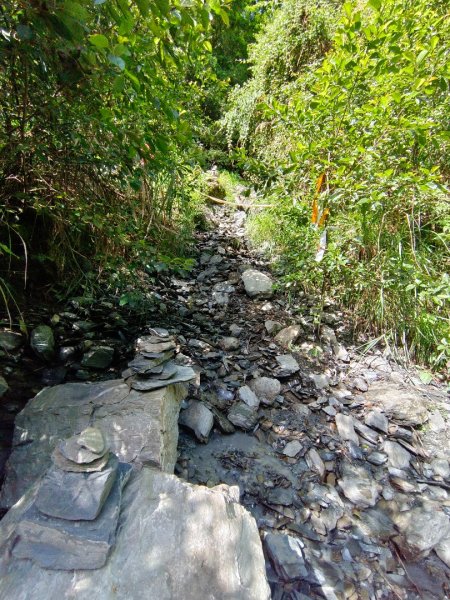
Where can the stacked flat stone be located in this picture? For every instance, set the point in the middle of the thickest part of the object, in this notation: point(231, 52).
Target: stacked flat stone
point(153, 366)
point(72, 521)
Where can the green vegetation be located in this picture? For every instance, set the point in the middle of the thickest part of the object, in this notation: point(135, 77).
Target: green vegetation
point(337, 114)
point(95, 130)
point(367, 105)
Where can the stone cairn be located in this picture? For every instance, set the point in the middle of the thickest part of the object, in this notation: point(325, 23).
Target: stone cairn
point(72, 520)
point(153, 366)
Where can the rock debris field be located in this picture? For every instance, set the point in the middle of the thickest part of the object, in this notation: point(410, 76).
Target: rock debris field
point(340, 455)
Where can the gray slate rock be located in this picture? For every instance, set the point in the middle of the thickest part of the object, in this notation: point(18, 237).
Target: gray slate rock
point(199, 419)
point(345, 428)
point(257, 284)
point(286, 555)
point(98, 358)
point(74, 449)
point(42, 342)
point(73, 467)
point(441, 467)
point(292, 448)
point(92, 439)
point(76, 496)
point(315, 463)
point(142, 365)
point(288, 365)
point(182, 374)
point(442, 549)
point(288, 335)
point(151, 344)
point(377, 458)
point(176, 540)
point(249, 397)
point(358, 486)
point(405, 406)
point(266, 388)
point(272, 327)
point(398, 457)
point(243, 416)
point(10, 341)
point(320, 380)
point(229, 343)
point(138, 428)
point(58, 544)
point(376, 419)
point(421, 529)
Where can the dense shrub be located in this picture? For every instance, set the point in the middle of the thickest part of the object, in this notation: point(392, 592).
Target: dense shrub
point(373, 118)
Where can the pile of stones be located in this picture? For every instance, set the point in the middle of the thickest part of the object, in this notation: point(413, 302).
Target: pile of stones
point(153, 366)
point(72, 517)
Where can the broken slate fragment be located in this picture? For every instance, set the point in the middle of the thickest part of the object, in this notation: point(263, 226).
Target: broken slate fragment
point(75, 449)
point(292, 448)
point(4, 387)
point(272, 327)
point(358, 486)
point(315, 463)
point(243, 416)
point(421, 529)
point(288, 365)
point(229, 343)
point(266, 388)
point(257, 284)
point(320, 380)
point(286, 555)
point(345, 428)
point(288, 335)
point(199, 419)
point(10, 340)
point(405, 406)
point(249, 397)
point(376, 419)
point(398, 457)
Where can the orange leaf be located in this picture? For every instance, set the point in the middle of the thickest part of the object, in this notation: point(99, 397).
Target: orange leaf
point(323, 217)
point(320, 183)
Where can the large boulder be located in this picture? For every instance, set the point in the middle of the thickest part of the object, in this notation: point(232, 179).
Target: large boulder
point(175, 540)
point(257, 284)
point(140, 428)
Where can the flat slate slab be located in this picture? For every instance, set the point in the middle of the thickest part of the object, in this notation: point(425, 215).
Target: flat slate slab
point(54, 543)
point(76, 496)
point(140, 428)
point(175, 540)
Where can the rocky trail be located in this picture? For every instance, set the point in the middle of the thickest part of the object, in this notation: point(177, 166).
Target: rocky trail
point(340, 454)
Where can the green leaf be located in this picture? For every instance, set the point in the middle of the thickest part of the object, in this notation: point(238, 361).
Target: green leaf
point(225, 18)
point(134, 80)
point(426, 377)
point(376, 4)
point(6, 250)
point(143, 6)
point(74, 9)
point(99, 40)
point(116, 60)
point(421, 56)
